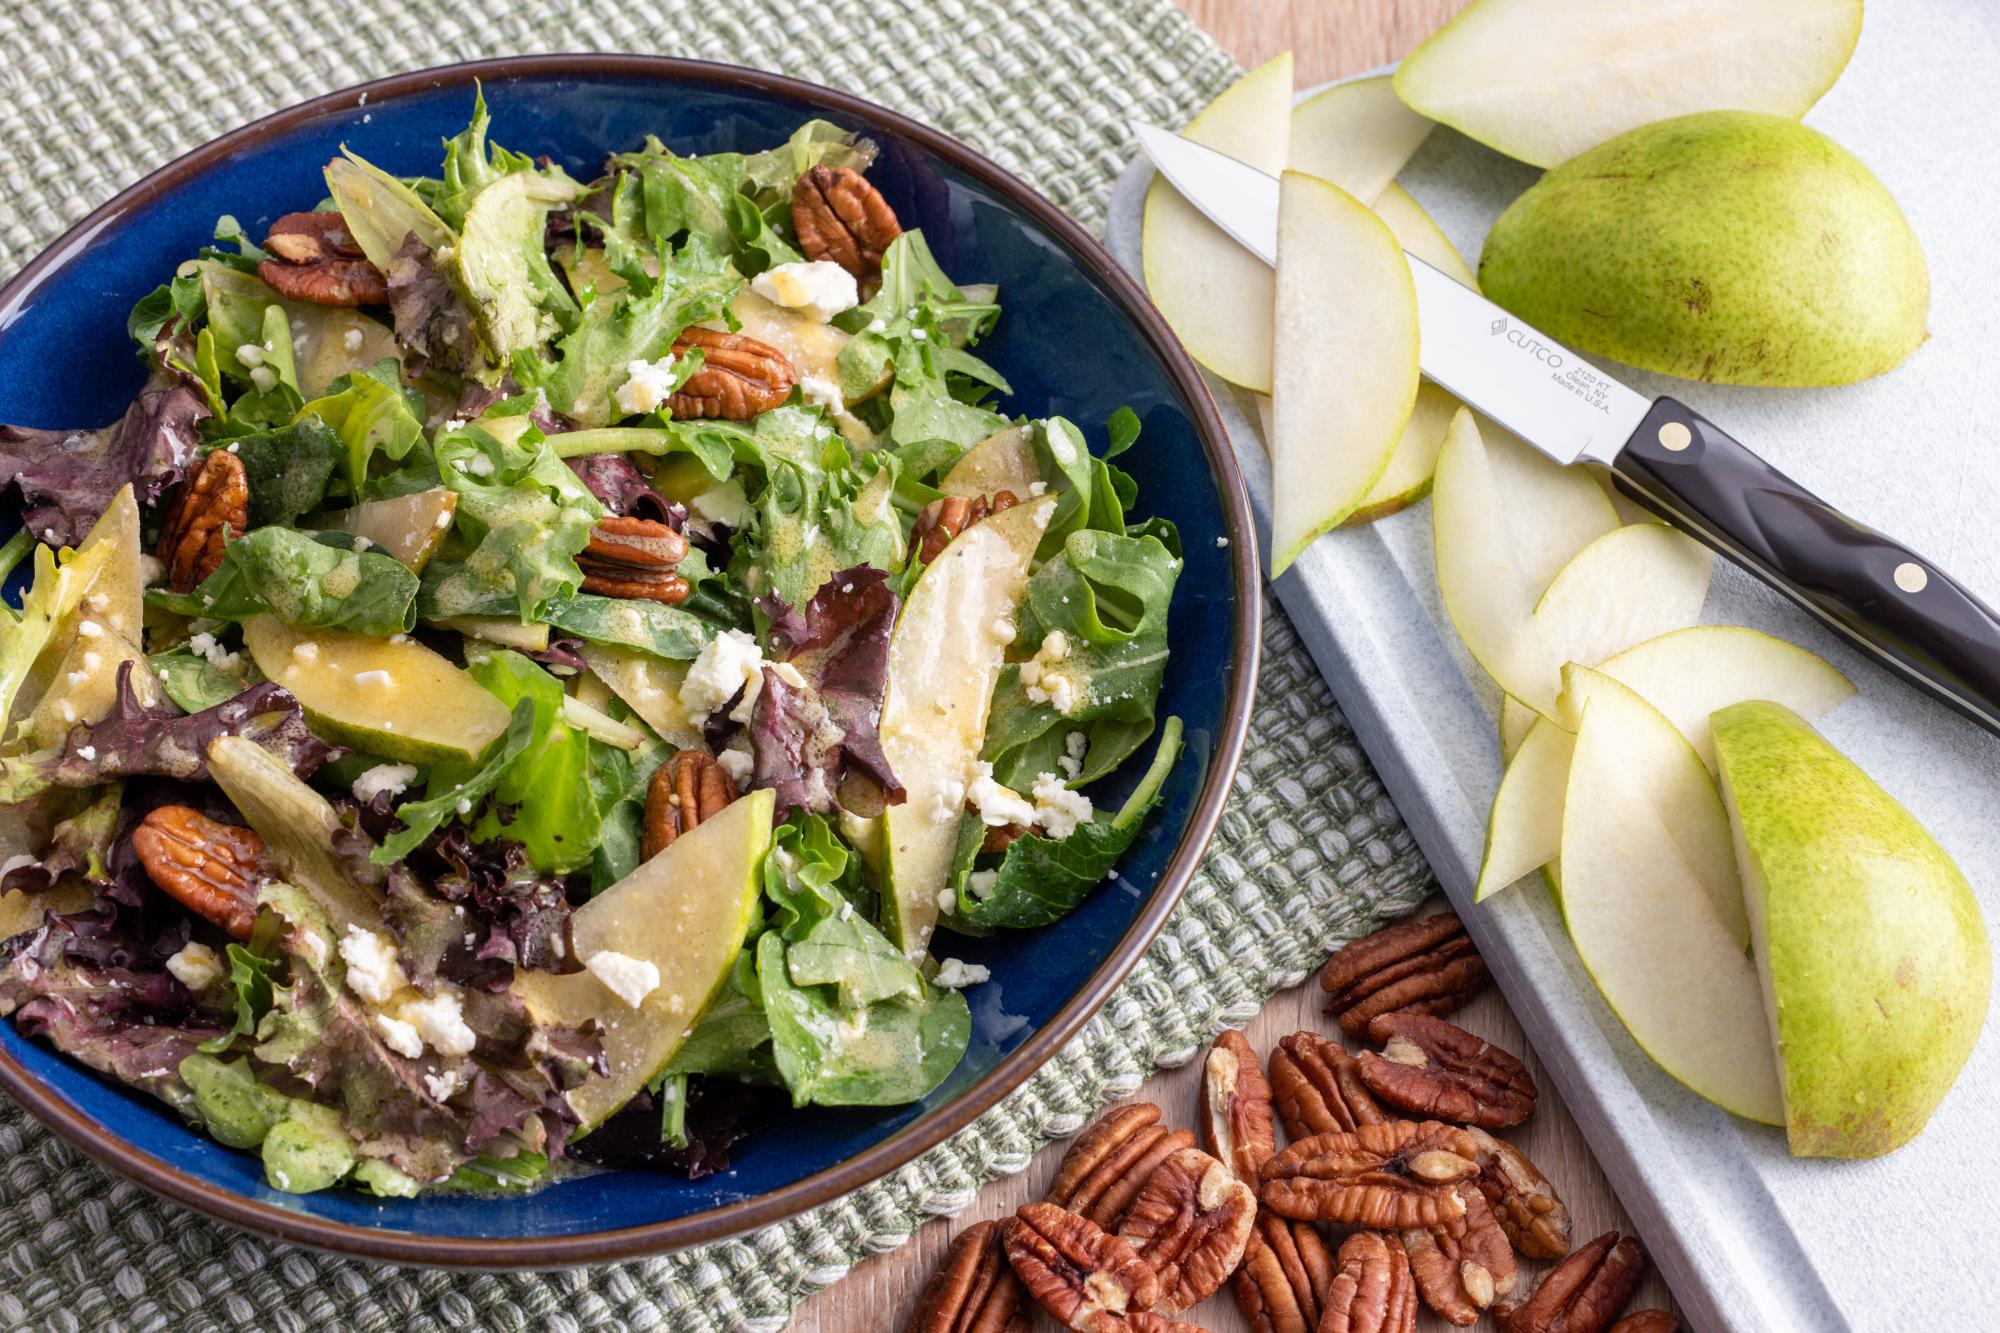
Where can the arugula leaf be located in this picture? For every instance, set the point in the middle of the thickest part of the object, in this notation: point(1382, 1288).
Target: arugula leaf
point(456, 793)
point(309, 580)
point(527, 515)
point(1041, 880)
point(1108, 595)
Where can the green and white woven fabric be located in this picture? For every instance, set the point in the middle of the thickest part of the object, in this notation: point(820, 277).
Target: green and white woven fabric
point(1309, 852)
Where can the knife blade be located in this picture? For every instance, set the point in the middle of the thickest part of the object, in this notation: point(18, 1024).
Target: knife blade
point(1901, 609)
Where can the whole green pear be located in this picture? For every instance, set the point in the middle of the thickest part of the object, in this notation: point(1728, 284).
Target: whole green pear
point(1731, 246)
point(1875, 962)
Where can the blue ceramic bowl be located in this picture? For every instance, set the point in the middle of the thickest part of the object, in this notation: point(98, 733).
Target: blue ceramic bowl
point(1076, 338)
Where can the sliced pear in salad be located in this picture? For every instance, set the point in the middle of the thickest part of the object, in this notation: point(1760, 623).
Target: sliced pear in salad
point(650, 686)
point(298, 826)
point(685, 912)
point(408, 527)
point(943, 660)
point(399, 700)
point(84, 686)
point(1003, 461)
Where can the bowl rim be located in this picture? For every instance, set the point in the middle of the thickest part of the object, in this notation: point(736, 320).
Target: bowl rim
point(877, 1160)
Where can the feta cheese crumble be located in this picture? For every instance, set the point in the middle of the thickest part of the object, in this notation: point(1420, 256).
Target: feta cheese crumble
point(399, 1036)
point(819, 290)
point(374, 972)
point(728, 662)
point(822, 392)
point(647, 385)
point(1071, 762)
point(1043, 683)
point(738, 764)
point(250, 356)
point(981, 883)
point(630, 979)
point(442, 1085)
point(351, 340)
point(997, 804)
point(393, 779)
point(204, 645)
point(375, 677)
point(196, 966)
point(1058, 809)
point(440, 1021)
point(265, 378)
point(955, 975)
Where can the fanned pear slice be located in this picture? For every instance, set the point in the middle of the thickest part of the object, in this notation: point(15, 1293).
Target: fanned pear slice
point(1524, 827)
point(1215, 294)
point(1003, 461)
point(1356, 134)
point(685, 911)
point(1344, 377)
point(943, 660)
point(1504, 520)
point(1516, 721)
point(1418, 233)
point(408, 527)
point(1644, 926)
point(1542, 80)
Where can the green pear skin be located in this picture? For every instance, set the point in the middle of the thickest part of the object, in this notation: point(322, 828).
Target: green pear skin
point(1731, 246)
point(1876, 966)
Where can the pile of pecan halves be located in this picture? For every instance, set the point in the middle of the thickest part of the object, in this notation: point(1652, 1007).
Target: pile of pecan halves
point(1395, 1145)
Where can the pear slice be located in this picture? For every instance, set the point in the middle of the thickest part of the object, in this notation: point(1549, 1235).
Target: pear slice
point(650, 687)
point(84, 686)
point(1542, 80)
point(1421, 236)
point(1504, 520)
point(1216, 295)
point(1642, 922)
point(685, 911)
point(1345, 376)
point(1356, 134)
point(408, 527)
point(1876, 970)
point(1516, 721)
point(1003, 461)
point(943, 661)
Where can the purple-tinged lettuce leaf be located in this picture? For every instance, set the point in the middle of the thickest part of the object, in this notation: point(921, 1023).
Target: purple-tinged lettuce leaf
point(162, 741)
point(431, 319)
point(79, 845)
point(66, 478)
point(621, 489)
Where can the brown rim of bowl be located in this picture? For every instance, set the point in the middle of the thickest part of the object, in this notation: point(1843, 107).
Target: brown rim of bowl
point(878, 1160)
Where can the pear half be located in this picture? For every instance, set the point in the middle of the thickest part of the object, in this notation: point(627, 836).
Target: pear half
point(1642, 921)
point(1875, 966)
point(1344, 375)
point(1543, 80)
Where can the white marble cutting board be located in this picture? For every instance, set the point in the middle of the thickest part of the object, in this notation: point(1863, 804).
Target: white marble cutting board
point(1750, 1238)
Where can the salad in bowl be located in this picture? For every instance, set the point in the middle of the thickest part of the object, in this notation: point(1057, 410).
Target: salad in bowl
point(539, 656)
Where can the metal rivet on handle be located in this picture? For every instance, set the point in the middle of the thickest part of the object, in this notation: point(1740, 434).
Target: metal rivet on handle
point(1675, 436)
point(1911, 576)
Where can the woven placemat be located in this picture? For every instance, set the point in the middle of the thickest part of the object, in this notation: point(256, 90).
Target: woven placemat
point(1309, 850)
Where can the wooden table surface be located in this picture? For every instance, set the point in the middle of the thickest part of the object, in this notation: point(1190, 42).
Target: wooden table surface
point(1328, 38)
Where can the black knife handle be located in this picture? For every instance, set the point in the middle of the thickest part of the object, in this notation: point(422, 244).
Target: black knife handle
point(1890, 601)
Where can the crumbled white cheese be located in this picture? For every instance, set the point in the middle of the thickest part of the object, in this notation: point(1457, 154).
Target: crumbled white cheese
point(351, 340)
point(919, 335)
point(630, 979)
point(647, 385)
point(250, 356)
point(1043, 683)
point(947, 899)
point(1058, 809)
point(1221, 543)
point(393, 779)
point(997, 804)
point(91, 661)
point(818, 290)
point(981, 883)
point(265, 378)
point(738, 764)
point(443, 519)
point(875, 325)
point(204, 645)
point(196, 965)
point(399, 1036)
point(86, 752)
point(723, 504)
point(823, 392)
point(68, 711)
point(90, 629)
point(440, 1020)
point(955, 975)
point(373, 970)
point(948, 801)
point(728, 662)
point(1071, 762)
point(1059, 690)
point(442, 1085)
point(375, 677)
point(1002, 630)
point(790, 674)
point(1037, 489)
point(480, 466)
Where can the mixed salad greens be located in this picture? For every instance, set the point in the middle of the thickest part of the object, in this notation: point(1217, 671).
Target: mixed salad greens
point(594, 635)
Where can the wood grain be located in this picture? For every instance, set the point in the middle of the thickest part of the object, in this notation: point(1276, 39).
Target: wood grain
point(1328, 38)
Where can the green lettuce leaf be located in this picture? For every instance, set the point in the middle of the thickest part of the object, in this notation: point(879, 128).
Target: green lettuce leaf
point(287, 469)
point(526, 515)
point(370, 413)
point(554, 811)
point(455, 793)
point(309, 580)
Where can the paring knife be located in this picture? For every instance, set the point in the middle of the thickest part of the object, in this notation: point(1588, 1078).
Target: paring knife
point(1903, 610)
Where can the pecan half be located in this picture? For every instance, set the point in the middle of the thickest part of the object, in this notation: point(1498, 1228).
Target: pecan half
point(1647, 1321)
point(1524, 1202)
point(1315, 1089)
point(314, 259)
point(689, 788)
point(1465, 1264)
point(1286, 1273)
point(941, 520)
point(1391, 1177)
point(1000, 837)
point(1236, 1107)
point(213, 870)
point(1190, 1221)
point(214, 499)
point(634, 558)
point(840, 217)
point(973, 1289)
point(1104, 1169)
point(739, 376)
point(1427, 966)
point(1084, 1276)
point(1583, 1293)
point(1373, 1291)
point(1432, 1068)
